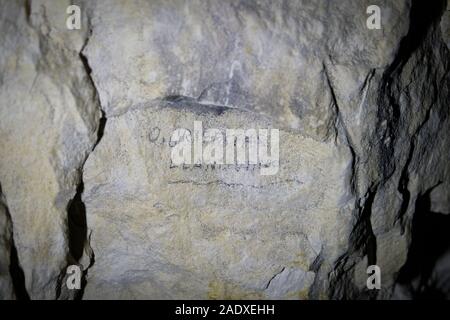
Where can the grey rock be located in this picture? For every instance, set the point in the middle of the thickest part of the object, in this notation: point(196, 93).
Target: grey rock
point(363, 119)
point(48, 124)
point(206, 232)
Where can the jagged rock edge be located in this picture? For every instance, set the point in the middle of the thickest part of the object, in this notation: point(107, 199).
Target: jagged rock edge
point(15, 270)
point(409, 44)
point(80, 185)
point(363, 204)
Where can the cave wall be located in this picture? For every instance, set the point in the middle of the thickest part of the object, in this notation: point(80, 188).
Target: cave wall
point(86, 119)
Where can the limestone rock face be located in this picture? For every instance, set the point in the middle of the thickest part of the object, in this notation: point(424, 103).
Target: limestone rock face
point(362, 116)
point(194, 231)
point(237, 54)
point(48, 124)
point(445, 26)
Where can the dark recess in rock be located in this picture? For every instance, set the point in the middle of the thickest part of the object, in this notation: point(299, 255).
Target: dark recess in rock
point(430, 241)
point(15, 270)
point(77, 224)
point(17, 275)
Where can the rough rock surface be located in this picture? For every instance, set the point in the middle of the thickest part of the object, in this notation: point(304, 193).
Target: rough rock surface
point(363, 118)
point(48, 124)
point(237, 54)
point(195, 231)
